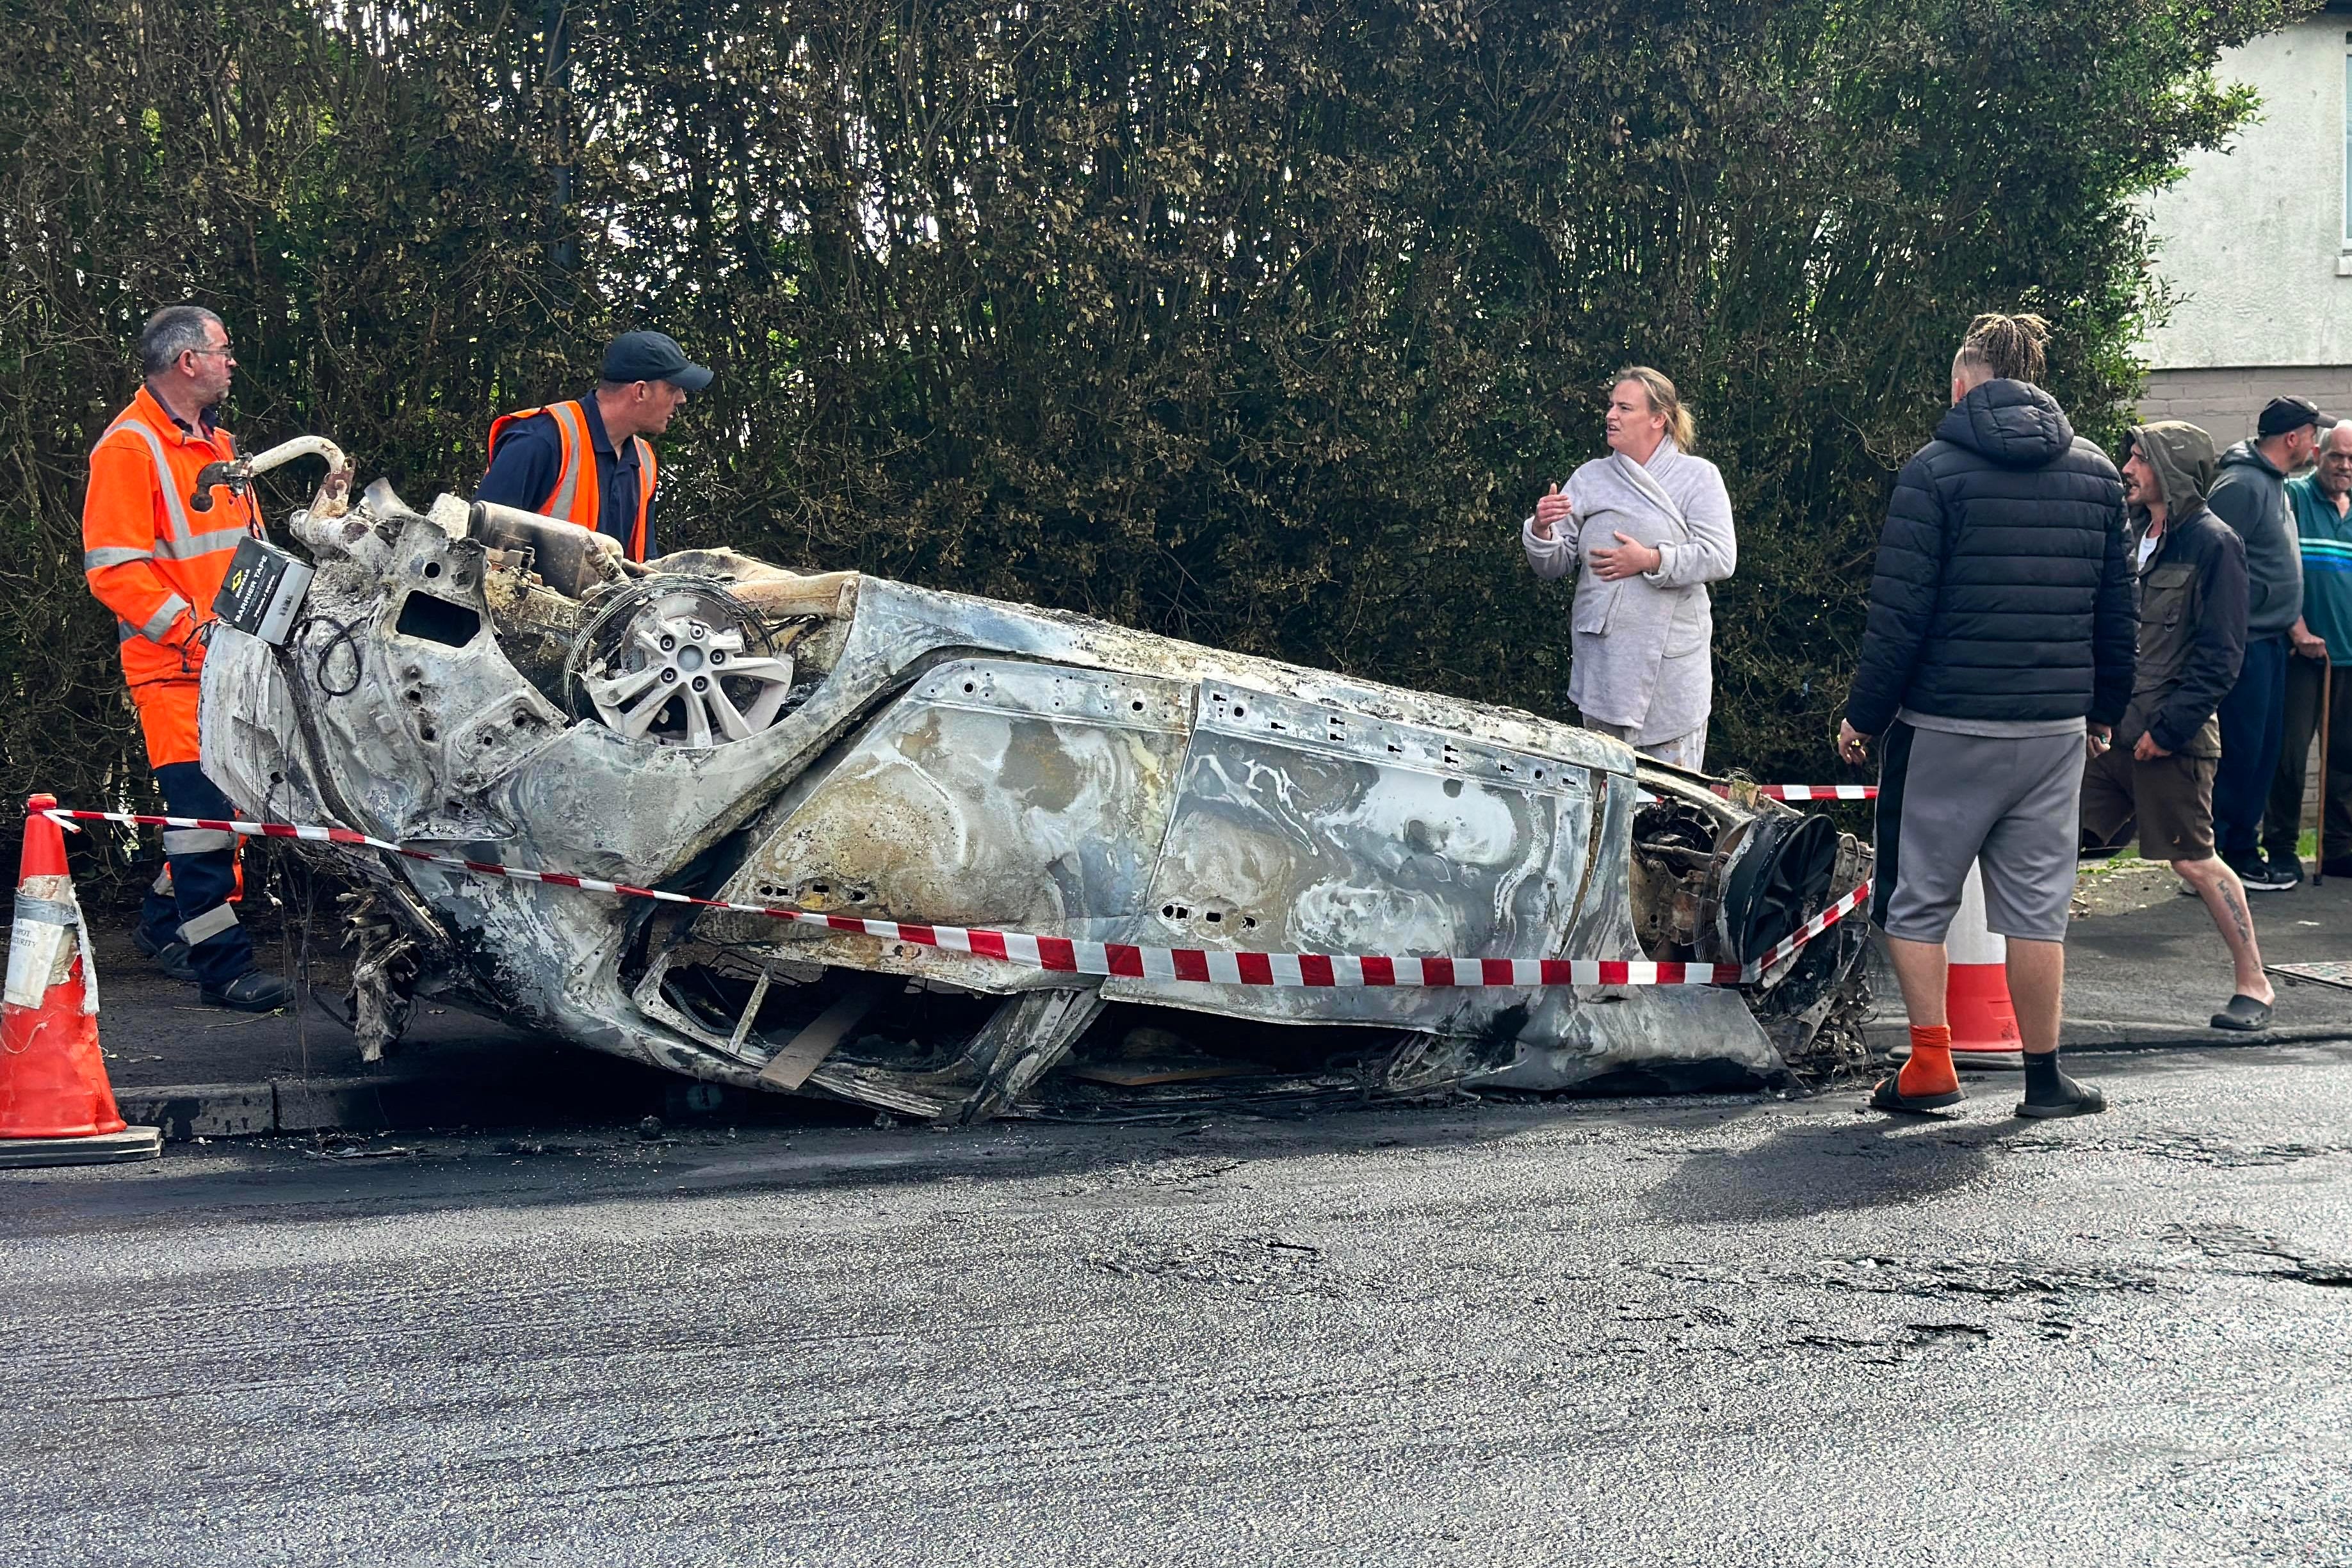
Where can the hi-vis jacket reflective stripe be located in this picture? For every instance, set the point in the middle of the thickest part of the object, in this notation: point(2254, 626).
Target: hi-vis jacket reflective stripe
point(150, 557)
point(575, 497)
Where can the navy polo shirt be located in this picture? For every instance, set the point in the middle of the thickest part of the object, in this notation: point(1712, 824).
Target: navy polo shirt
point(530, 459)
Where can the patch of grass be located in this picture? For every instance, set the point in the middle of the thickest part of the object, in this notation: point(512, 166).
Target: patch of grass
point(2122, 860)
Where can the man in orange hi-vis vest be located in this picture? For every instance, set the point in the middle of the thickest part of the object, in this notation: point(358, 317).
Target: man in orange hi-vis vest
point(588, 461)
point(155, 554)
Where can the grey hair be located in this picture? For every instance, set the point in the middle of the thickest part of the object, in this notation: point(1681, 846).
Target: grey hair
point(173, 332)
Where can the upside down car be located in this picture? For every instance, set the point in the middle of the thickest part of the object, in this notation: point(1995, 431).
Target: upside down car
point(504, 687)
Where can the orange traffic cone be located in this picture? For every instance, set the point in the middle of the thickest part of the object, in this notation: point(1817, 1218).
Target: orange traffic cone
point(56, 1105)
point(1976, 989)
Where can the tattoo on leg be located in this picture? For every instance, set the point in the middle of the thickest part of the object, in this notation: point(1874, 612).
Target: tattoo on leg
point(2235, 903)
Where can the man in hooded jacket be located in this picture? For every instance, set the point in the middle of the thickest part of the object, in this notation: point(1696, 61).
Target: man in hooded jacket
point(1999, 647)
point(2193, 637)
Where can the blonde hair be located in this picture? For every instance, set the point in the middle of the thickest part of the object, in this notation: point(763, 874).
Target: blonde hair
point(2002, 348)
point(1663, 399)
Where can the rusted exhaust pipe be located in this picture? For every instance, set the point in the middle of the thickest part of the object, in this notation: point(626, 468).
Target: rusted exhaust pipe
point(567, 558)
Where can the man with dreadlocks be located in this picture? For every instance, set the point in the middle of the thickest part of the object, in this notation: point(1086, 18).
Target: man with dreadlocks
point(1998, 650)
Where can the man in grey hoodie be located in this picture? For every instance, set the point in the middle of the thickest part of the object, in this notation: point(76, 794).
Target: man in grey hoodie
point(2250, 495)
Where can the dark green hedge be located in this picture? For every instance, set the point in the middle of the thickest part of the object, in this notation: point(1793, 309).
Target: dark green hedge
point(1258, 324)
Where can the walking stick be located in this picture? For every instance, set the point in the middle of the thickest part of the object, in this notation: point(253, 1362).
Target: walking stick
point(2327, 701)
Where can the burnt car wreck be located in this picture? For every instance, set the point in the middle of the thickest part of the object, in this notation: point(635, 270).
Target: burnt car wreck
point(503, 686)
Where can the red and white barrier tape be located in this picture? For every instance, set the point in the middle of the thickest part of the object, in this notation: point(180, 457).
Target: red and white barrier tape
point(1205, 966)
point(1810, 792)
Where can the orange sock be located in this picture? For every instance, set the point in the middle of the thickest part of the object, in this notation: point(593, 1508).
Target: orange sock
point(1929, 1071)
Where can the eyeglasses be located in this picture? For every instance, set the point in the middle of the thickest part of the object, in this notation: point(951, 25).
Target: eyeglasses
point(224, 352)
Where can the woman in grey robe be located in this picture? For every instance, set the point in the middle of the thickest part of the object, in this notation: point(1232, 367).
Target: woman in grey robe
point(1646, 528)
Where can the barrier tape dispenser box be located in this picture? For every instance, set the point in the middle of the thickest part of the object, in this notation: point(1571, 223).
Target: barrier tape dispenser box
point(263, 590)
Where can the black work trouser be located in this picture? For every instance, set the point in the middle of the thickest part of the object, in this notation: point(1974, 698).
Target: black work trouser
point(203, 862)
point(2250, 717)
point(2282, 820)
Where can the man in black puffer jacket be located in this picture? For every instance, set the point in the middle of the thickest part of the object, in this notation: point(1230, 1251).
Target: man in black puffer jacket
point(1999, 646)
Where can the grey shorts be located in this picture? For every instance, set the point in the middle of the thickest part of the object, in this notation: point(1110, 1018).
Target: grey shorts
point(1950, 802)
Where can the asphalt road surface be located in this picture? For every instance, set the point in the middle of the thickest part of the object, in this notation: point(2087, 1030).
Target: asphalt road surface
point(1744, 1331)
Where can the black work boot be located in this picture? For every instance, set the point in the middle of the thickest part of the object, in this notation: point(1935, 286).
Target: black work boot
point(2050, 1092)
point(172, 958)
point(251, 992)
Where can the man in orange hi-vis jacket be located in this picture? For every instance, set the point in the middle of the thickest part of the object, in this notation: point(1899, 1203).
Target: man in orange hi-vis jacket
point(155, 557)
point(587, 461)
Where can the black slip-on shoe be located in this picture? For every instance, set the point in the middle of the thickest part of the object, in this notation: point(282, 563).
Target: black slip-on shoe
point(2072, 1100)
point(2243, 1014)
point(2341, 865)
point(1887, 1097)
point(252, 992)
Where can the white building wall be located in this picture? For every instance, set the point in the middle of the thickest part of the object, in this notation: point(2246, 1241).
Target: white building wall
point(2253, 244)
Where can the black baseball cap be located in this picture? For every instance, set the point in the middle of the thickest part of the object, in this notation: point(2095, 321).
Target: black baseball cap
point(653, 357)
point(2282, 415)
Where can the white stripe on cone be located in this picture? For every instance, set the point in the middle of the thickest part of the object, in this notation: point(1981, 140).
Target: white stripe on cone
point(1970, 941)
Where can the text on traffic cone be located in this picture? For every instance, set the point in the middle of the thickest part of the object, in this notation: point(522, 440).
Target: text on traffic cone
point(53, 1081)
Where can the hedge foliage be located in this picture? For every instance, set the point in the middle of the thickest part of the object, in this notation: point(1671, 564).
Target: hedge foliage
point(1260, 324)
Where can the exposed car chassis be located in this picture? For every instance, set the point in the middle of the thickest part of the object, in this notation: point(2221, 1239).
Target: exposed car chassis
point(501, 685)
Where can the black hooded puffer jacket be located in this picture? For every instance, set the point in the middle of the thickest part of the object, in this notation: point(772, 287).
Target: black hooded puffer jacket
point(2003, 588)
